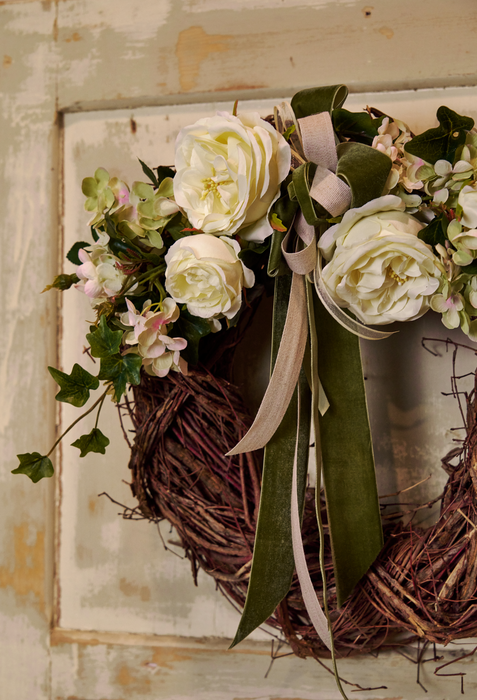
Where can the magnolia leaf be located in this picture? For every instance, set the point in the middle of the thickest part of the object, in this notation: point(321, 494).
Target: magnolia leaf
point(62, 282)
point(104, 341)
point(121, 370)
point(94, 441)
point(149, 173)
point(35, 466)
point(193, 329)
point(435, 232)
point(75, 387)
point(72, 254)
point(441, 142)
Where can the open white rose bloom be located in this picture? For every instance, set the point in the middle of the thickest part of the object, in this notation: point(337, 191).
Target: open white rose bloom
point(229, 171)
point(378, 268)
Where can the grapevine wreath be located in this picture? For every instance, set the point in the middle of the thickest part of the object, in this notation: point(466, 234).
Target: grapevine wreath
point(350, 222)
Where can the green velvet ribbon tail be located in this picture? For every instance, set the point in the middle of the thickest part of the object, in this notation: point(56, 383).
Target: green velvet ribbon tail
point(273, 562)
point(348, 463)
point(312, 360)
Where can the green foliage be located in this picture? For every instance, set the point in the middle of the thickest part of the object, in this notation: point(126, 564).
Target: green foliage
point(192, 328)
point(75, 387)
point(62, 282)
point(35, 466)
point(121, 371)
point(359, 126)
point(149, 173)
point(441, 142)
point(435, 232)
point(176, 226)
point(72, 254)
point(103, 340)
point(163, 172)
point(252, 256)
point(288, 132)
point(94, 441)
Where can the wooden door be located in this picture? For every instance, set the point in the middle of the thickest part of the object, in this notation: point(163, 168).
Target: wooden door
point(91, 607)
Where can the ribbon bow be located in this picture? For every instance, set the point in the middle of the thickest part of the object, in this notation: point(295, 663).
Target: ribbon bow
point(316, 186)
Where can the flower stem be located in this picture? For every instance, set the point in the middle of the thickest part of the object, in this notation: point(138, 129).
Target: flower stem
point(99, 401)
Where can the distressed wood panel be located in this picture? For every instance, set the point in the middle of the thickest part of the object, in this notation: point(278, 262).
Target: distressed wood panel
point(72, 55)
point(86, 671)
point(190, 48)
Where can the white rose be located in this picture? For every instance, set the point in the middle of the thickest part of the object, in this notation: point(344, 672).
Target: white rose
point(229, 171)
point(380, 270)
point(205, 273)
point(468, 202)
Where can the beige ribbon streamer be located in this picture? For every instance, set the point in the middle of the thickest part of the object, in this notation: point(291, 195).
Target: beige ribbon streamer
point(317, 616)
point(285, 373)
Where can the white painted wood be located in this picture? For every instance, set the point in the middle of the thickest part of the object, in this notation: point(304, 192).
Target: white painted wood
point(78, 54)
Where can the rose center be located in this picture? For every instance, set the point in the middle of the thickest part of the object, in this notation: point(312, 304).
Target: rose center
point(398, 278)
point(209, 186)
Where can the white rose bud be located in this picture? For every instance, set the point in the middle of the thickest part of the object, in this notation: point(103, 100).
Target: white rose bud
point(229, 171)
point(380, 270)
point(205, 273)
point(468, 202)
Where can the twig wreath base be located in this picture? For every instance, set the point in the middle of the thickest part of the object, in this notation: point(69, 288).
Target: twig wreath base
point(422, 585)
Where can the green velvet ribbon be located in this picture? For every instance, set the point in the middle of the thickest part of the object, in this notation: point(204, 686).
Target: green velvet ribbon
point(273, 563)
point(346, 448)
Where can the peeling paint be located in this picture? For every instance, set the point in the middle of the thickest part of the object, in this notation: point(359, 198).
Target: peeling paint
point(387, 32)
point(132, 589)
point(27, 574)
point(193, 46)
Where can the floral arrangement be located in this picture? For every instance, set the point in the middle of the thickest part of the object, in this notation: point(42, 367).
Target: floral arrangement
point(351, 221)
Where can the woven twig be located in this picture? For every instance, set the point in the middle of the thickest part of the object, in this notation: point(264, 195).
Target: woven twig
point(423, 584)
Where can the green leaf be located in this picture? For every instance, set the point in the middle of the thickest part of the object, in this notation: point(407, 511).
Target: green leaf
point(149, 173)
point(441, 142)
point(288, 132)
point(104, 341)
point(359, 126)
point(62, 282)
point(75, 387)
point(176, 226)
point(435, 232)
point(163, 171)
point(192, 328)
point(121, 370)
point(94, 441)
point(72, 254)
point(34, 465)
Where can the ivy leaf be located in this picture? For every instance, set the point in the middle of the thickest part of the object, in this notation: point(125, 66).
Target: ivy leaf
point(164, 171)
point(150, 174)
point(441, 142)
point(94, 441)
point(75, 387)
point(34, 465)
point(72, 254)
point(359, 126)
point(121, 370)
point(103, 340)
point(193, 329)
point(435, 232)
point(62, 282)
